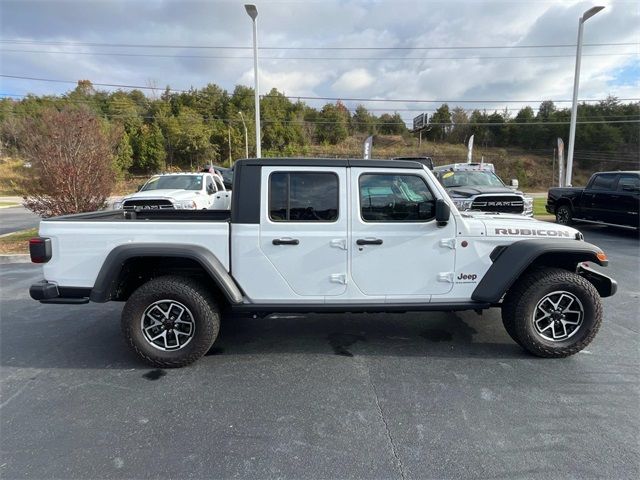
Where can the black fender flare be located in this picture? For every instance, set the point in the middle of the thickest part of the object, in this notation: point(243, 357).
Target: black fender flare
point(509, 262)
point(112, 266)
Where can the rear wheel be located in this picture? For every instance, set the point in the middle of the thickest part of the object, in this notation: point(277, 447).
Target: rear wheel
point(564, 215)
point(552, 312)
point(170, 321)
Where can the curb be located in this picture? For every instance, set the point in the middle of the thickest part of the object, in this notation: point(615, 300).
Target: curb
point(17, 258)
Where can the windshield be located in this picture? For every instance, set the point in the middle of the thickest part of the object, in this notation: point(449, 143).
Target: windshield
point(174, 182)
point(474, 178)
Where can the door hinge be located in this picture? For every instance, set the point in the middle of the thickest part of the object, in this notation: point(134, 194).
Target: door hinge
point(340, 243)
point(445, 277)
point(340, 278)
point(448, 243)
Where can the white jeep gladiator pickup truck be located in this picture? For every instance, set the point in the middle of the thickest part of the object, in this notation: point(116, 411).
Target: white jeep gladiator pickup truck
point(179, 191)
point(322, 235)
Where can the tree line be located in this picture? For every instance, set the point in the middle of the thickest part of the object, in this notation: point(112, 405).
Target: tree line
point(188, 129)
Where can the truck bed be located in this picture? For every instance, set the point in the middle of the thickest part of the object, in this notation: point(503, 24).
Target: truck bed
point(147, 215)
point(80, 243)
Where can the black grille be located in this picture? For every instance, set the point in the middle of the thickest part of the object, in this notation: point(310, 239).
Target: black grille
point(152, 204)
point(499, 203)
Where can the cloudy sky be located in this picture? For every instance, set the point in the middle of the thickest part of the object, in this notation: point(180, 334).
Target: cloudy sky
point(404, 48)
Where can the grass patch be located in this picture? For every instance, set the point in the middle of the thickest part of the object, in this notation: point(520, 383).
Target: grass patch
point(538, 206)
point(17, 242)
point(9, 204)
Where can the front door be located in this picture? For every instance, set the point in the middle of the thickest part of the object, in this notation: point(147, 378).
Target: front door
point(303, 230)
point(397, 248)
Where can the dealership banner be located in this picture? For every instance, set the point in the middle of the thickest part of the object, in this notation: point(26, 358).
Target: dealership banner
point(368, 145)
point(560, 162)
point(470, 150)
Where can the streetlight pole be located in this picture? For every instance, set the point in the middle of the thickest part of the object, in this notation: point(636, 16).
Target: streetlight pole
point(246, 138)
point(576, 80)
point(252, 11)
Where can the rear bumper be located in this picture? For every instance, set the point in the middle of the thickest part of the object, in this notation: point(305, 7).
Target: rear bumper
point(606, 286)
point(47, 292)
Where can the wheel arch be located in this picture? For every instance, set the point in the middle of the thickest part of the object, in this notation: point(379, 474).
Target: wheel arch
point(513, 261)
point(128, 266)
point(563, 201)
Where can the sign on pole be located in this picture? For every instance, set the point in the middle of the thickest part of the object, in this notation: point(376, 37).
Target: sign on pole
point(368, 145)
point(419, 122)
point(470, 150)
point(560, 162)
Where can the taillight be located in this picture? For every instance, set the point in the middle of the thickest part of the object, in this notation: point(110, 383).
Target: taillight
point(40, 249)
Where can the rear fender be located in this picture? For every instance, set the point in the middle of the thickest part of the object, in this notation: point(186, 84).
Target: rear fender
point(106, 282)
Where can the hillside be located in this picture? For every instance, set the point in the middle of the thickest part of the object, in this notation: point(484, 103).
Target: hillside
point(533, 171)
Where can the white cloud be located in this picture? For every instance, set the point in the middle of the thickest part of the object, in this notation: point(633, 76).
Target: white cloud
point(353, 81)
point(330, 23)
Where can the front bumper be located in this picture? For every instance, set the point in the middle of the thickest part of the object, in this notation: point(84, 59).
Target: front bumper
point(606, 286)
point(47, 292)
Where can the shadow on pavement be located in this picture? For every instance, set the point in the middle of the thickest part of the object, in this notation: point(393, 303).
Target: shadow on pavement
point(91, 338)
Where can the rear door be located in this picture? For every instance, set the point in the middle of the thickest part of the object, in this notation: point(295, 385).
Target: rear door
point(303, 229)
point(628, 204)
point(397, 248)
point(223, 197)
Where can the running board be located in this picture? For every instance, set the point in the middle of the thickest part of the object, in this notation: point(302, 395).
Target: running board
point(358, 307)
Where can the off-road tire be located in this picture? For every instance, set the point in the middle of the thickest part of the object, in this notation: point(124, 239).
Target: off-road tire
point(564, 215)
point(521, 300)
point(189, 293)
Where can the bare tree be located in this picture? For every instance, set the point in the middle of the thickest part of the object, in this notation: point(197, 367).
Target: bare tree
point(71, 155)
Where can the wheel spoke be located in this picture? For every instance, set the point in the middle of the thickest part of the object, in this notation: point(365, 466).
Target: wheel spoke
point(569, 322)
point(160, 335)
point(549, 325)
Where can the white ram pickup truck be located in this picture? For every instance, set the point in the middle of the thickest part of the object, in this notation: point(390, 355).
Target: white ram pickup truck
point(179, 191)
point(320, 235)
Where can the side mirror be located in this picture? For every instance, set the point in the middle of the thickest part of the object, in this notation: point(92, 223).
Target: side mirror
point(514, 183)
point(443, 212)
point(630, 188)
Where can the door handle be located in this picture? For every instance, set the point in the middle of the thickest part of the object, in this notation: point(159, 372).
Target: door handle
point(285, 241)
point(369, 241)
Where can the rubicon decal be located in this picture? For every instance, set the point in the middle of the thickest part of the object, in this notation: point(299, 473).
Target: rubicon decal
point(530, 232)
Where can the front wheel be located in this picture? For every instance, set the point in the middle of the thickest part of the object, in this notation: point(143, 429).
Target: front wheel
point(564, 215)
point(170, 321)
point(552, 312)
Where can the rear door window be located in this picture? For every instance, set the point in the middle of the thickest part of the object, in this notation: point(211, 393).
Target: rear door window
point(628, 183)
point(303, 197)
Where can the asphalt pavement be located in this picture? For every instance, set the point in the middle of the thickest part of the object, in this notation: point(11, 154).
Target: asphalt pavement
point(17, 218)
point(402, 396)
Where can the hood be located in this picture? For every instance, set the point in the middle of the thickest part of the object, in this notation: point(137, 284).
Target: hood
point(466, 192)
point(170, 194)
point(517, 226)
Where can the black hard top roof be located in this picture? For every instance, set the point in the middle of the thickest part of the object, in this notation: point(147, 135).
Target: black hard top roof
point(330, 162)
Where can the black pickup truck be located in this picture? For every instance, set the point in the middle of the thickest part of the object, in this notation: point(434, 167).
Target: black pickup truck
point(610, 198)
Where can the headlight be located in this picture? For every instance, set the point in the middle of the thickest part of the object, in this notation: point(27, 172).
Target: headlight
point(528, 206)
point(117, 205)
point(463, 204)
point(186, 204)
